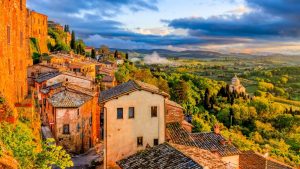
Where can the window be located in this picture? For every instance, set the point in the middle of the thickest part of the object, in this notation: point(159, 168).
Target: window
point(8, 34)
point(9, 67)
point(155, 142)
point(140, 141)
point(119, 113)
point(131, 112)
point(66, 129)
point(78, 127)
point(91, 121)
point(78, 113)
point(21, 4)
point(154, 111)
point(21, 39)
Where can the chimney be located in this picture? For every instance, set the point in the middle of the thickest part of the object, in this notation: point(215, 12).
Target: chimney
point(229, 141)
point(217, 129)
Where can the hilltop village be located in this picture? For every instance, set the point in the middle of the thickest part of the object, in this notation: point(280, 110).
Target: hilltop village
point(78, 102)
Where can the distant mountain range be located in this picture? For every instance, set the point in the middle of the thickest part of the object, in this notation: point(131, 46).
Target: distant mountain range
point(210, 55)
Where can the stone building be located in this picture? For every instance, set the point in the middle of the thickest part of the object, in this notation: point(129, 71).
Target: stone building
point(108, 82)
point(51, 78)
point(14, 50)
point(72, 114)
point(134, 118)
point(39, 29)
point(35, 70)
point(174, 114)
point(57, 26)
point(236, 85)
point(54, 25)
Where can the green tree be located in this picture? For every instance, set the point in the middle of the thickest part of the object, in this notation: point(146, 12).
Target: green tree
point(80, 47)
point(181, 92)
point(73, 41)
point(93, 54)
point(126, 56)
point(116, 54)
point(104, 50)
point(66, 28)
point(206, 98)
point(53, 155)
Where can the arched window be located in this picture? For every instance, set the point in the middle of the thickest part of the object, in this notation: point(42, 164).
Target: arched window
point(21, 4)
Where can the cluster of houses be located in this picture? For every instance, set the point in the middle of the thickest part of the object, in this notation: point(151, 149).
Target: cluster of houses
point(136, 123)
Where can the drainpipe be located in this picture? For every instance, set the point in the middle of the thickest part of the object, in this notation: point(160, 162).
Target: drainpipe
point(105, 137)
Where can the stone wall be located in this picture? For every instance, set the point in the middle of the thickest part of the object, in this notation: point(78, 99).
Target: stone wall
point(121, 134)
point(83, 125)
point(38, 25)
point(14, 50)
point(173, 113)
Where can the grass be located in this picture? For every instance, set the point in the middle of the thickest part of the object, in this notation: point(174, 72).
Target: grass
point(286, 101)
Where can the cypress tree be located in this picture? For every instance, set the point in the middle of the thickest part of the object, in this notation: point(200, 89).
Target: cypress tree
point(206, 99)
point(116, 54)
point(126, 56)
point(93, 53)
point(73, 41)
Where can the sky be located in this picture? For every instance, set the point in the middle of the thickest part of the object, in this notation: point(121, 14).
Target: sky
point(227, 26)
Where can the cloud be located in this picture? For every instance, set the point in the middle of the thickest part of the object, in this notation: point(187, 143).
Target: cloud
point(254, 23)
point(154, 58)
point(102, 7)
point(267, 19)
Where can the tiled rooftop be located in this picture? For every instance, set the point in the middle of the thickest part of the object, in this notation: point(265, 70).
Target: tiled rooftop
point(213, 142)
point(163, 156)
point(46, 76)
point(209, 141)
point(170, 102)
point(48, 88)
point(203, 157)
point(76, 88)
point(253, 160)
point(130, 86)
point(107, 78)
point(68, 99)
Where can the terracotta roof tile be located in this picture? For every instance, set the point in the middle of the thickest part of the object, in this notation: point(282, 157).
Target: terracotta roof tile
point(208, 141)
point(46, 76)
point(68, 99)
point(128, 87)
point(163, 156)
point(172, 103)
point(107, 78)
point(203, 157)
point(253, 160)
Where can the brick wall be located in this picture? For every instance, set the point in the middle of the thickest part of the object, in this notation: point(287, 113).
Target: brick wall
point(173, 113)
point(38, 25)
point(14, 50)
point(86, 136)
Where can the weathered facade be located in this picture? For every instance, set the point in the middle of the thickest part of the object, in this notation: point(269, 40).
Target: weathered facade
point(134, 114)
point(14, 50)
point(174, 112)
point(39, 29)
point(35, 70)
point(72, 116)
